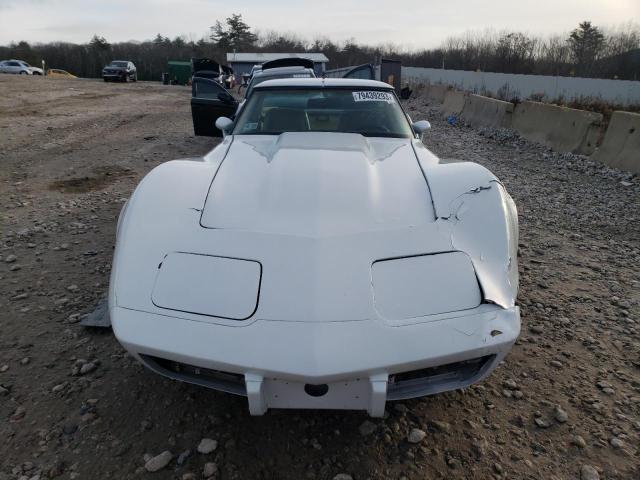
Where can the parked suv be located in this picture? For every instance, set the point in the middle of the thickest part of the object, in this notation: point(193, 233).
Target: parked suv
point(19, 67)
point(120, 71)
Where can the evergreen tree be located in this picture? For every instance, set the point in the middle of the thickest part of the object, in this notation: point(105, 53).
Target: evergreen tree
point(586, 43)
point(234, 34)
point(99, 44)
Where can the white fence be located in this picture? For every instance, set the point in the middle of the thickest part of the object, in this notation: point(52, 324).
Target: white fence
point(508, 86)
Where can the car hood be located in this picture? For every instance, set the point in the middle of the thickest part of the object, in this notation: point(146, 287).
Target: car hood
point(315, 227)
point(318, 184)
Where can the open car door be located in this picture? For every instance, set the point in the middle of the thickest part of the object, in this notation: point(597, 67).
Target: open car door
point(365, 71)
point(209, 101)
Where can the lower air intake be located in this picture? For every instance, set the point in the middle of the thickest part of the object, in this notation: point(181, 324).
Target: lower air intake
point(427, 381)
point(206, 377)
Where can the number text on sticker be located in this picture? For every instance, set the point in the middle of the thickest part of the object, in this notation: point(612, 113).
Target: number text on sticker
point(372, 96)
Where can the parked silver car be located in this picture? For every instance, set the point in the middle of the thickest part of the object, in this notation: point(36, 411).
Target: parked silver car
point(19, 67)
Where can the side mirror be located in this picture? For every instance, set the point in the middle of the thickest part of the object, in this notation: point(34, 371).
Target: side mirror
point(225, 124)
point(420, 126)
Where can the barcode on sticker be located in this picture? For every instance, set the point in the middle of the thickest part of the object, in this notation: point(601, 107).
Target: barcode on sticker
point(372, 96)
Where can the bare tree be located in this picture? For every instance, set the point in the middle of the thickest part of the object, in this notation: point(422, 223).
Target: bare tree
point(610, 53)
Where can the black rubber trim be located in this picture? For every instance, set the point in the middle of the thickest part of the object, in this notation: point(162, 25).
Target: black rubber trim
point(437, 379)
point(214, 379)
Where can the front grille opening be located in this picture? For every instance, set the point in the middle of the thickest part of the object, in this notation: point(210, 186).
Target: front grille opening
point(437, 379)
point(206, 377)
point(316, 390)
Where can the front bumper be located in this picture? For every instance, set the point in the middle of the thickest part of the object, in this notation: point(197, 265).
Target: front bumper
point(335, 365)
point(114, 75)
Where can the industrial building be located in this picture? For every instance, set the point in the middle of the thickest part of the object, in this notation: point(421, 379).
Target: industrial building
point(243, 62)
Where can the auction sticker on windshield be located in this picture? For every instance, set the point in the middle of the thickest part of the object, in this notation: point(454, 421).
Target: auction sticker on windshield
point(372, 96)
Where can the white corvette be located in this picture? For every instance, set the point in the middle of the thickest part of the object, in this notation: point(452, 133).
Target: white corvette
point(319, 257)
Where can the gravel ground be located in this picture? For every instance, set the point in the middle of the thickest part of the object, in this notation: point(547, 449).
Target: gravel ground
point(564, 404)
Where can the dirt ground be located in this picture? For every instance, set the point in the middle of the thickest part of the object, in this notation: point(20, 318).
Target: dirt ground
point(565, 404)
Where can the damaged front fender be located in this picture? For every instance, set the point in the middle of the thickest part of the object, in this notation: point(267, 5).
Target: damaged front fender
point(479, 217)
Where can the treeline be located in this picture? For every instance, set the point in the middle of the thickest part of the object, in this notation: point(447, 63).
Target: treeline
point(587, 51)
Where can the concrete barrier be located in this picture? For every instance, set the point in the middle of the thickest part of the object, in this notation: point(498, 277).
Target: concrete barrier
point(436, 93)
point(453, 103)
point(482, 111)
point(621, 144)
point(561, 128)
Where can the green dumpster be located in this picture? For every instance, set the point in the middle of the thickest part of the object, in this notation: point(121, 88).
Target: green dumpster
point(179, 72)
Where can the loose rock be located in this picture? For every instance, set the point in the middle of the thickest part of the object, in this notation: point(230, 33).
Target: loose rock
point(560, 415)
point(440, 426)
point(416, 435)
point(87, 368)
point(511, 384)
point(18, 414)
point(578, 441)
point(158, 462)
point(209, 469)
point(542, 423)
point(536, 329)
point(615, 442)
point(367, 428)
point(587, 472)
point(207, 445)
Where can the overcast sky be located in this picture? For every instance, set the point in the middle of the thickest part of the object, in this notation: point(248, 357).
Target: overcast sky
point(409, 23)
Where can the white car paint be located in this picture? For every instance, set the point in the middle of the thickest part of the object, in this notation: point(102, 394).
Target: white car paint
point(236, 281)
point(315, 269)
point(424, 293)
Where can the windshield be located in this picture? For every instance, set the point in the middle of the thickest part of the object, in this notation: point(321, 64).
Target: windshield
point(118, 64)
point(372, 113)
